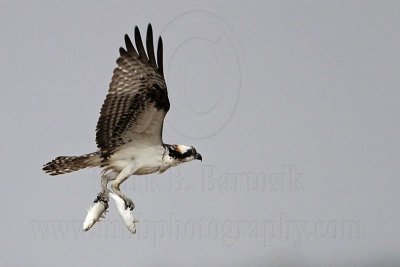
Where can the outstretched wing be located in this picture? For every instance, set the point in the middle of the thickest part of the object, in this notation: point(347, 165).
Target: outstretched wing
point(137, 99)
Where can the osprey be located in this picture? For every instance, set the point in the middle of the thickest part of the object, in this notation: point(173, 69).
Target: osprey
point(129, 130)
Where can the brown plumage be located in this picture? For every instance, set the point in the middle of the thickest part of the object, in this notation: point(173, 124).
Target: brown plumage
point(137, 90)
point(65, 164)
point(135, 106)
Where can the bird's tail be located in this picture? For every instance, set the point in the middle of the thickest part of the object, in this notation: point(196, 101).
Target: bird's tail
point(63, 164)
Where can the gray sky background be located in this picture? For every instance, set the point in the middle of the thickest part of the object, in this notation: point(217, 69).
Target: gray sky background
point(294, 106)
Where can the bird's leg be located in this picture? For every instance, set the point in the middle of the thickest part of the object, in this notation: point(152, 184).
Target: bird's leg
point(105, 179)
point(122, 176)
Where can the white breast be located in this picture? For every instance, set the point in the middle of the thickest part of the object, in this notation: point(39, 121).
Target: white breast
point(148, 159)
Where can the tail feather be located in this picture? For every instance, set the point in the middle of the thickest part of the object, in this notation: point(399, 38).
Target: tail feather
point(63, 164)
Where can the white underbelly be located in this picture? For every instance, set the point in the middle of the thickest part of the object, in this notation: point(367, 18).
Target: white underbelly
point(148, 159)
point(147, 170)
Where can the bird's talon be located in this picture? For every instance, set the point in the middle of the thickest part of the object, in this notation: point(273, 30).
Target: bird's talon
point(129, 204)
point(102, 199)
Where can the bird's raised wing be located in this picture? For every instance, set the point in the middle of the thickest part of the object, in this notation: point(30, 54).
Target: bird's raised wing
point(137, 99)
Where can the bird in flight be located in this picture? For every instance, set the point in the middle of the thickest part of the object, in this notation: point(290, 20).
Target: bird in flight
point(129, 130)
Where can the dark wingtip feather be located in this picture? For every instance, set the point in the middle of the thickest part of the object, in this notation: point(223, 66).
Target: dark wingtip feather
point(139, 45)
point(129, 46)
point(160, 56)
point(122, 51)
point(150, 45)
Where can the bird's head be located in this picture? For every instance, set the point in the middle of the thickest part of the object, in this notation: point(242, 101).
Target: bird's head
point(182, 153)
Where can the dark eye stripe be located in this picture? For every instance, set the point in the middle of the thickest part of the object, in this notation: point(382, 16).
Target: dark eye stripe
point(176, 154)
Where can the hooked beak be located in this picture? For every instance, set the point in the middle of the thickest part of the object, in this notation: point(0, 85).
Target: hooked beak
point(198, 156)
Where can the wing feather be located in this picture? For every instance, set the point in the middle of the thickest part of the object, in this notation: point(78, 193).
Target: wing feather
point(160, 56)
point(137, 99)
point(150, 48)
point(129, 46)
point(139, 45)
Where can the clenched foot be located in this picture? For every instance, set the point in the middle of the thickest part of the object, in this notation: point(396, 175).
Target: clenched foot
point(128, 203)
point(101, 198)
